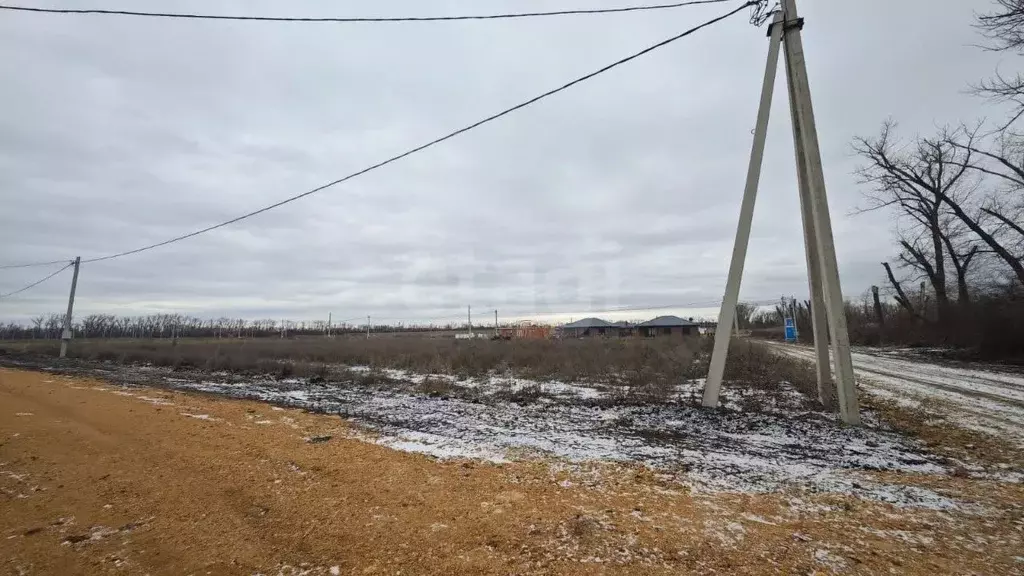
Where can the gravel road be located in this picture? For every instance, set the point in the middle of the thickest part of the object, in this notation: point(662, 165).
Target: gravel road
point(982, 398)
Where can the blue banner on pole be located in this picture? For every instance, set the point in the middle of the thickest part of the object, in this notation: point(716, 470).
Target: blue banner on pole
point(790, 330)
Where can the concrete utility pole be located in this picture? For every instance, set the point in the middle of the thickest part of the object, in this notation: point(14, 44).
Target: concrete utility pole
point(496, 331)
point(469, 319)
point(727, 314)
point(65, 336)
point(330, 316)
point(823, 268)
point(367, 327)
point(832, 293)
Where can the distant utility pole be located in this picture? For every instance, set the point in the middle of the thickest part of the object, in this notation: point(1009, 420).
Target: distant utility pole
point(65, 337)
point(469, 319)
point(496, 322)
point(367, 327)
point(330, 316)
point(823, 269)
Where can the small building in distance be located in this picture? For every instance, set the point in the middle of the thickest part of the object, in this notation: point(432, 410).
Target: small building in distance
point(663, 326)
point(524, 331)
point(590, 327)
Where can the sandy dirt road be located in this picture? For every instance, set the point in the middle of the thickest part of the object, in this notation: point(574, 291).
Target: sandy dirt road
point(985, 400)
point(97, 479)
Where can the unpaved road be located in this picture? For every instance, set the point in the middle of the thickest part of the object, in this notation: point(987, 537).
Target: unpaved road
point(98, 479)
point(985, 400)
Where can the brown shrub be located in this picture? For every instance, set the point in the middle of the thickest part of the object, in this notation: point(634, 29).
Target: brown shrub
point(433, 386)
point(643, 370)
point(568, 360)
point(754, 364)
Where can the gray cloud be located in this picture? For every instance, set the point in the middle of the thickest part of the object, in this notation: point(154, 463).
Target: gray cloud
point(621, 192)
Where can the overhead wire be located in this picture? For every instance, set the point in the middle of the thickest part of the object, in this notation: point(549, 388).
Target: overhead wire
point(32, 264)
point(36, 283)
point(434, 142)
point(505, 16)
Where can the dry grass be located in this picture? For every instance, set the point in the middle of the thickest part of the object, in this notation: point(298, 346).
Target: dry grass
point(640, 371)
point(567, 360)
point(956, 442)
point(759, 367)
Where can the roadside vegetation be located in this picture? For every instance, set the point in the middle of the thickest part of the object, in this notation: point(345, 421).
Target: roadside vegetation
point(988, 328)
point(639, 370)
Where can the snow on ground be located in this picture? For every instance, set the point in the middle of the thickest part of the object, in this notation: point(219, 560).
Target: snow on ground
point(983, 400)
point(783, 447)
point(758, 442)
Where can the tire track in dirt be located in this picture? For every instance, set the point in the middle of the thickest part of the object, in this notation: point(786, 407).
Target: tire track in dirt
point(939, 385)
point(974, 375)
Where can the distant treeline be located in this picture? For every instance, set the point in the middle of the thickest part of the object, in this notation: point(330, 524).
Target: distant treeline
point(50, 326)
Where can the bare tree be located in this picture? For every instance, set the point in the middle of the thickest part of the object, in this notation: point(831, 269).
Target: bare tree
point(744, 314)
point(922, 182)
point(1005, 162)
point(925, 181)
point(37, 323)
point(1004, 29)
point(901, 296)
point(962, 248)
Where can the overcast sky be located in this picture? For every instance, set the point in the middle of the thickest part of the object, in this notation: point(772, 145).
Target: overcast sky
point(621, 192)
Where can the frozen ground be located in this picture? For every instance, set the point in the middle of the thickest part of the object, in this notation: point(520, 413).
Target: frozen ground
point(781, 446)
point(986, 400)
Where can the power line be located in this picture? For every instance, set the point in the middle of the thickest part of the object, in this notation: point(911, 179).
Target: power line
point(37, 282)
point(31, 264)
point(432, 142)
point(189, 16)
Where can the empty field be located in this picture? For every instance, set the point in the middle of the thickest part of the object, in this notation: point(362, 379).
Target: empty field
point(434, 456)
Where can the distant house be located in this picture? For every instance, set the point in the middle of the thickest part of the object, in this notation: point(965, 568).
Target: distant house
point(590, 327)
point(668, 326)
point(626, 328)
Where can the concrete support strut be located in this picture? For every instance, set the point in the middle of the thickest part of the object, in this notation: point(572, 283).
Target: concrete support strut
point(727, 314)
point(827, 305)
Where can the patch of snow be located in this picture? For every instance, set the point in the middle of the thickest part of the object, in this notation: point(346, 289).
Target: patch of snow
point(758, 519)
point(24, 414)
point(199, 416)
point(156, 401)
point(829, 560)
point(722, 450)
point(785, 447)
point(904, 535)
point(440, 447)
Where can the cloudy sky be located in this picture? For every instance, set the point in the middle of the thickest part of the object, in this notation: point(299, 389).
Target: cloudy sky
point(622, 192)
